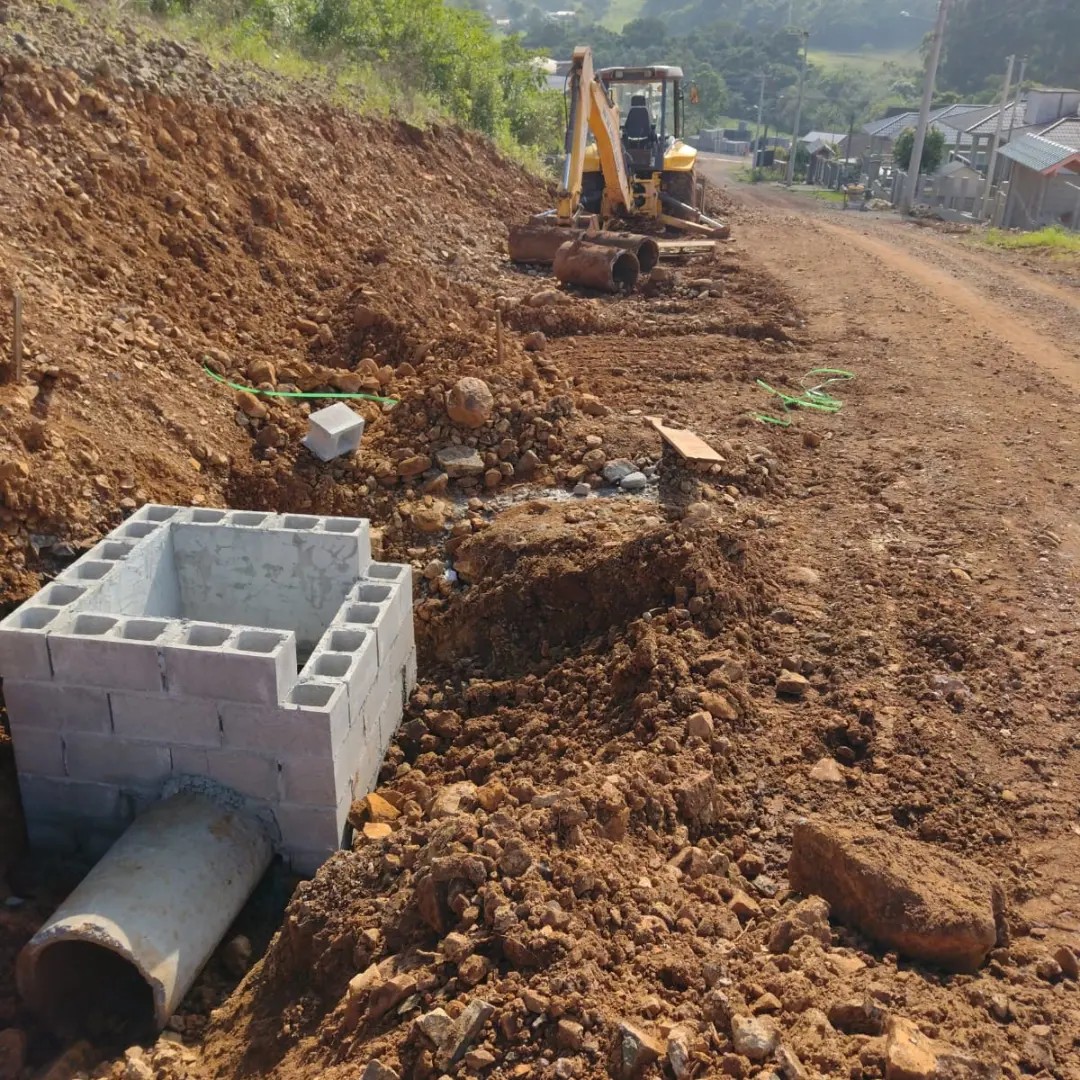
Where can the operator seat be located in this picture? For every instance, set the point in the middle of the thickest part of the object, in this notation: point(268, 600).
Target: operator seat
point(637, 130)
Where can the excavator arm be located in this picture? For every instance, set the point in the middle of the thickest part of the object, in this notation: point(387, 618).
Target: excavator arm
point(590, 110)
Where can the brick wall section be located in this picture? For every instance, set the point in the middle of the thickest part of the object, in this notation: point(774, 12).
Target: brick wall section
point(115, 691)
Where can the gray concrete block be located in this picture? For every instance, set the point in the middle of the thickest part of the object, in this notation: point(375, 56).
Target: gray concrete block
point(109, 759)
point(349, 655)
point(57, 708)
point(333, 431)
point(46, 798)
point(321, 698)
point(357, 761)
point(308, 828)
point(275, 731)
point(245, 771)
point(109, 652)
point(37, 750)
point(24, 650)
point(172, 721)
point(309, 780)
point(190, 761)
point(214, 661)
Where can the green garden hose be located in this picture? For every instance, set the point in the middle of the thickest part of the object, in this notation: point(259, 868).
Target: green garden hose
point(813, 397)
point(297, 393)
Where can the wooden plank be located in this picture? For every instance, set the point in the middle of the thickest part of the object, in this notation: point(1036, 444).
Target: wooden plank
point(673, 248)
point(685, 443)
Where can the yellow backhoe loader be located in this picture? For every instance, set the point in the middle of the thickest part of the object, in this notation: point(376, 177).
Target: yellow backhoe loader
point(636, 171)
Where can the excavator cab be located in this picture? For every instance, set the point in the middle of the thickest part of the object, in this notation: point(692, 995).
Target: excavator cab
point(649, 102)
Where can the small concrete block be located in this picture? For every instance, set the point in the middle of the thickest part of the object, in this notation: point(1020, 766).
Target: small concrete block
point(190, 761)
point(54, 707)
point(158, 513)
point(87, 570)
point(211, 661)
point(37, 750)
point(24, 650)
point(46, 798)
point(378, 618)
point(309, 780)
point(278, 731)
point(109, 651)
point(308, 828)
point(357, 762)
point(317, 698)
point(112, 760)
point(333, 431)
point(245, 771)
point(174, 721)
point(349, 655)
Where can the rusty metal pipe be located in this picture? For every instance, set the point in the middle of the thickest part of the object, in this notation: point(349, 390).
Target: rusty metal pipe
point(609, 269)
point(539, 243)
point(645, 248)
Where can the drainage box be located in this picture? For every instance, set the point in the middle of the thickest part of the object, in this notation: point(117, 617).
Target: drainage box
point(266, 653)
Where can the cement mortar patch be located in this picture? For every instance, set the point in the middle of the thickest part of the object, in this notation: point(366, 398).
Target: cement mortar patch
point(170, 651)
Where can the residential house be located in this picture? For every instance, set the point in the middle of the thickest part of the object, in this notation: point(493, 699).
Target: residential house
point(1044, 177)
point(1034, 112)
point(882, 134)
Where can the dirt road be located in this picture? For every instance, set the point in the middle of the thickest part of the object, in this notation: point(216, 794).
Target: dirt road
point(952, 479)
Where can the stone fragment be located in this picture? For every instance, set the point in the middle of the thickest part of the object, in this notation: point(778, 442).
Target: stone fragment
point(911, 1055)
point(591, 405)
point(448, 800)
point(459, 461)
point(464, 1032)
point(390, 993)
point(470, 403)
point(699, 725)
point(250, 405)
point(755, 1037)
point(791, 684)
point(616, 469)
point(376, 1070)
point(635, 1050)
point(808, 917)
point(534, 341)
point(827, 771)
point(635, 481)
point(719, 706)
point(927, 904)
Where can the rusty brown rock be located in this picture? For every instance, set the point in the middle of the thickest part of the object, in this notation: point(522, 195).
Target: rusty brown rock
point(926, 904)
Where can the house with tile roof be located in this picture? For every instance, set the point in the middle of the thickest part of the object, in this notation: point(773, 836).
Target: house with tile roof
point(1044, 177)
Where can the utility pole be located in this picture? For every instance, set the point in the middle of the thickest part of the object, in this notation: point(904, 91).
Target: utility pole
point(996, 141)
point(758, 148)
point(790, 175)
point(1016, 97)
point(911, 186)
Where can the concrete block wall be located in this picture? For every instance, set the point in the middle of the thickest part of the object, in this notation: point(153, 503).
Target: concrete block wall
point(266, 652)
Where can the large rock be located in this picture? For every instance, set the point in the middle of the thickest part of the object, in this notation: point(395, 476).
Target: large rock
point(470, 402)
point(926, 904)
point(755, 1037)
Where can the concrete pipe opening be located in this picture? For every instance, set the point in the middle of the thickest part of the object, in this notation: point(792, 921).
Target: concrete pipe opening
point(128, 943)
point(85, 990)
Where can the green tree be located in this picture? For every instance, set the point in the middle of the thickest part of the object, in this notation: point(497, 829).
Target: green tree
point(933, 149)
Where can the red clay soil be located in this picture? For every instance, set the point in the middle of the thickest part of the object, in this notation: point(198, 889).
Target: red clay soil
point(578, 863)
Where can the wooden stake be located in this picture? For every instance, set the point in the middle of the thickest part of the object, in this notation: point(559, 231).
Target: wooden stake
point(15, 374)
point(498, 335)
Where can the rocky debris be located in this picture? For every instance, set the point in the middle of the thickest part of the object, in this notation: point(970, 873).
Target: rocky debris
point(634, 1051)
point(617, 469)
point(452, 1038)
point(792, 684)
point(808, 918)
point(926, 904)
point(236, 955)
point(635, 481)
point(827, 770)
point(376, 1070)
point(755, 1037)
point(459, 461)
point(470, 403)
point(911, 1055)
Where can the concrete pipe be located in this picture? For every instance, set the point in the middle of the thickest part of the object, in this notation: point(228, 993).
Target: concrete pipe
point(645, 248)
point(609, 269)
point(537, 244)
point(124, 948)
